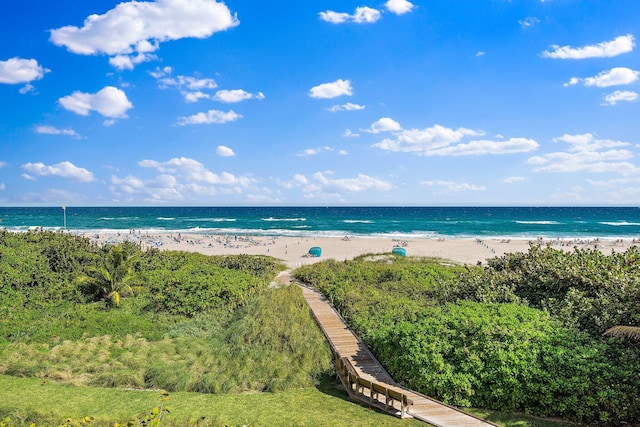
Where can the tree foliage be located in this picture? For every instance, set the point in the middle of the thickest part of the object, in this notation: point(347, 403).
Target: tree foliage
point(113, 277)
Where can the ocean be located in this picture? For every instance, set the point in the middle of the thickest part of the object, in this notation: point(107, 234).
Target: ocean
point(393, 222)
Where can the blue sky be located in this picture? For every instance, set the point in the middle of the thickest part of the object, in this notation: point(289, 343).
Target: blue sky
point(198, 102)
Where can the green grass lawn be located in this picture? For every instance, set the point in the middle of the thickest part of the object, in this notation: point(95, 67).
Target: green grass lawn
point(27, 400)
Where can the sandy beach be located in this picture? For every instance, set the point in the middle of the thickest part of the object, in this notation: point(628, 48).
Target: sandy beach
point(294, 251)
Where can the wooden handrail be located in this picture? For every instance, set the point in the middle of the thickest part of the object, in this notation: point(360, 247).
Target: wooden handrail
point(378, 392)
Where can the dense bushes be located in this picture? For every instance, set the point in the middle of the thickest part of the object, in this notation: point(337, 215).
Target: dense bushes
point(507, 357)
point(584, 288)
point(522, 334)
point(194, 323)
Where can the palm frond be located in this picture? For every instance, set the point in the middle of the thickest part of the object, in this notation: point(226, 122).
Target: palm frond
point(630, 332)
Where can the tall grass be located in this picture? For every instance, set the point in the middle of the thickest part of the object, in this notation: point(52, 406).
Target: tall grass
point(272, 344)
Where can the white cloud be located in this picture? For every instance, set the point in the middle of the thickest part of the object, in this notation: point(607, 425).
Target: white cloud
point(451, 186)
point(313, 151)
point(442, 141)
point(349, 134)
point(179, 179)
point(51, 130)
point(191, 87)
point(135, 29)
point(384, 124)
point(480, 53)
point(514, 179)
point(572, 81)
point(613, 77)
point(224, 151)
point(193, 171)
point(65, 170)
point(331, 90)
point(360, 183)
point(346, 107)
point(2, 186)
point(28, 177)
point(529, 21)
point(211, 116)
point(620, 95)
point(619, 190)
point(586, 154)
point(236, 95)
point(165, 80)
point(124, 62)
point(399, 7)
point(18, 70)
point(615, 47)
point(362, 15)
point(484, 147)
point(322, 185)
point(109, 101)
point(2, 164)
point(588, 142)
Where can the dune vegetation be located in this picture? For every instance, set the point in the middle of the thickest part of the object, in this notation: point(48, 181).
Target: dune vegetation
point(522, 335)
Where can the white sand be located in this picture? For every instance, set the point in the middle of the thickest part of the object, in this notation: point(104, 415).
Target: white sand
point(294, 250)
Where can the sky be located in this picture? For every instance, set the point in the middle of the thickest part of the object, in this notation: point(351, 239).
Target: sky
point(319, 103)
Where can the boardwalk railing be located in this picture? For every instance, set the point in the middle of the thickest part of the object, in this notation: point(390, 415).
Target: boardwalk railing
point(371, 392)
point(365, 379)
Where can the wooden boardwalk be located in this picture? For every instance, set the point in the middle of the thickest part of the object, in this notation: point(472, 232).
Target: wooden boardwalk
point(367, 381)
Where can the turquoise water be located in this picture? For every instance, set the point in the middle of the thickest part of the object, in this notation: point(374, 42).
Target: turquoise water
point(415, 222)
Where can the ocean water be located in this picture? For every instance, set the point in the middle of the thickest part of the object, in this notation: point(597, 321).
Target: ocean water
point(395, 222)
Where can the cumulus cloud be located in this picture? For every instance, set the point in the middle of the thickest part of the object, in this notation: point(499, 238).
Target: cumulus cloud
point(586, 153)
point(614, 77)
point(191, 87)
point(442, 141)
point(193, 171)
point(51, 130)
point(529, 21)
point(619, 96)
point(331, 90)
point(514, 179)
point(484, 147)
point(314, 151)
point(384, 124)
point(615, 47)
point(399, 7)
point(110, 102)
point(209, 117)
point(346, 107)
point(179, 179)
point(19, 70)
point(224, 151)
point(323, 185)
point(362, 15)
point(65, 170)
point(236, 95)
point(132, 31)
point(452, 186)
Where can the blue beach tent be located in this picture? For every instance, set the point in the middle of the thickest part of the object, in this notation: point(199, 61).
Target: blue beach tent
point(315, 251)
point(399, 251)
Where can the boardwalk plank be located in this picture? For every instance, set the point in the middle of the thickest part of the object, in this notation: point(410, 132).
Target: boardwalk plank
point(346, 344)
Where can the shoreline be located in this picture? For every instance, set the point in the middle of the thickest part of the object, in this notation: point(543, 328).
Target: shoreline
point(294, 250)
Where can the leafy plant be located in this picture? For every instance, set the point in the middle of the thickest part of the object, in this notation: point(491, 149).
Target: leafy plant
point(112, 279)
